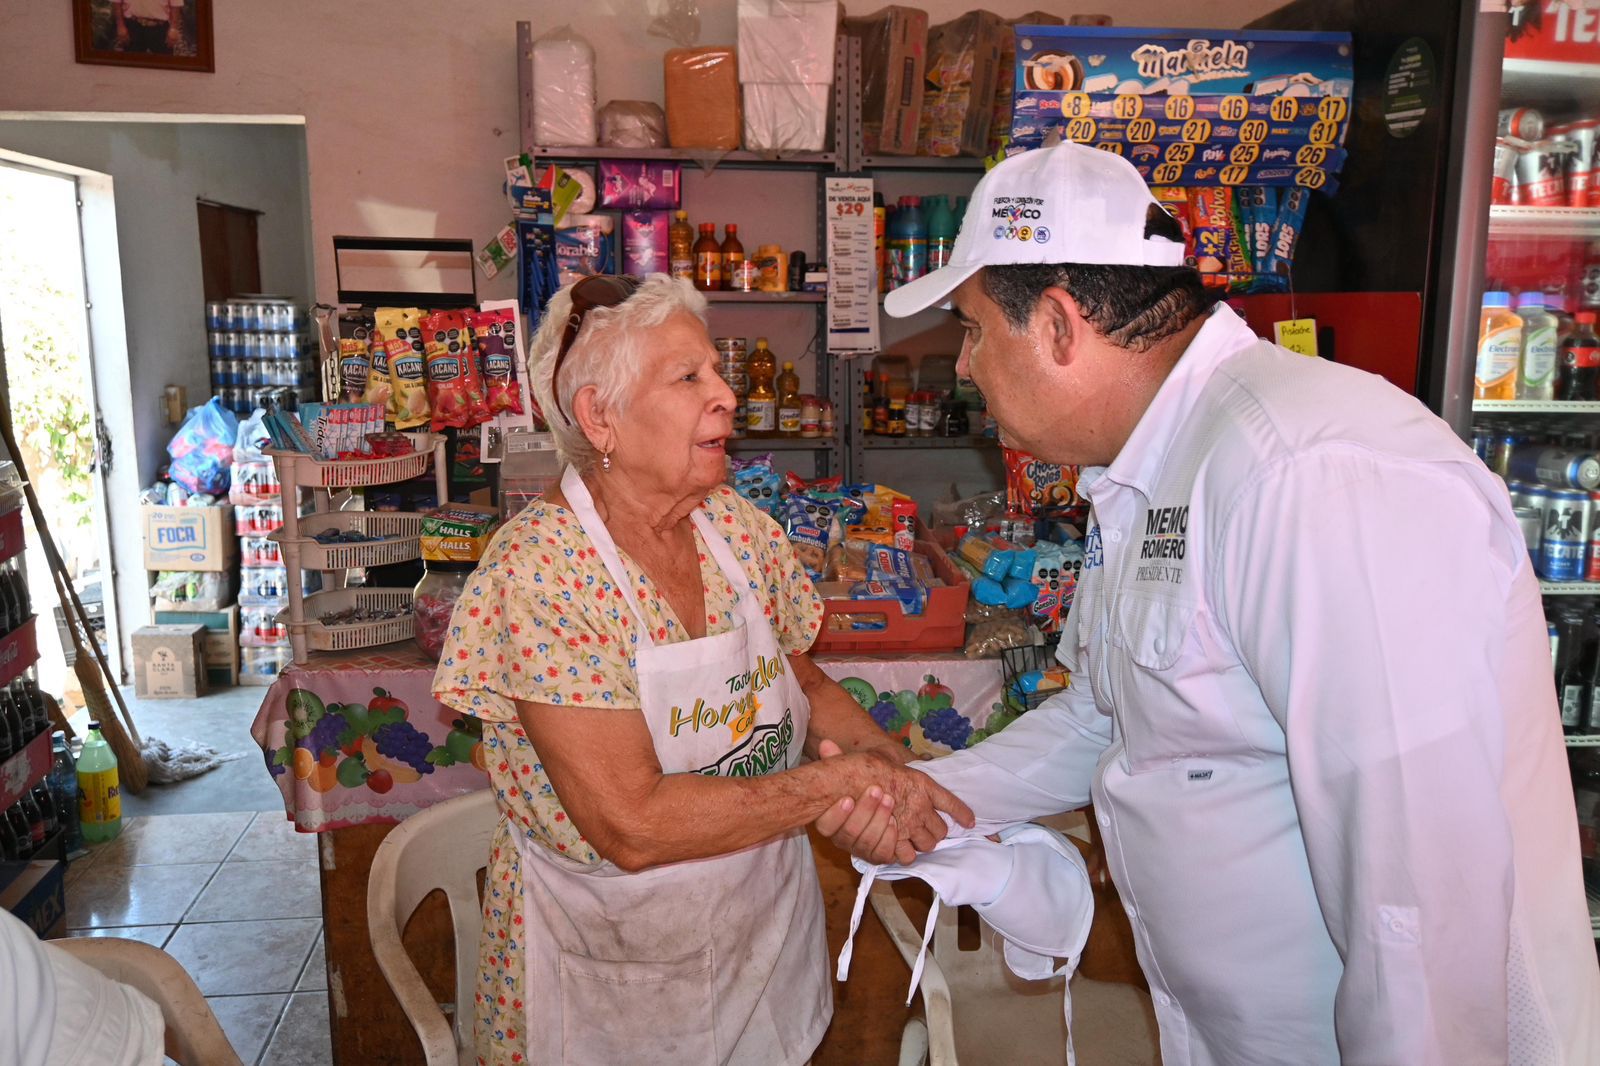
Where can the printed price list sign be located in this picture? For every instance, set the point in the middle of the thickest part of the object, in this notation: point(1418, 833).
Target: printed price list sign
point(852, 266)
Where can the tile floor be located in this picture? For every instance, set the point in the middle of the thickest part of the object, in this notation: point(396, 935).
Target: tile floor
point(236, 899)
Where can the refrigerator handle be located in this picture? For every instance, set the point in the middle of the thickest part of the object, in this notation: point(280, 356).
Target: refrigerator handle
point(1465, 225)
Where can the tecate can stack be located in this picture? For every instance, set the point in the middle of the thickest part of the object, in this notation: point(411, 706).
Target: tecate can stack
point(1523, 123)
point(1592, 567)
point(1564, 542)
point(1555, 467)
point(1540, 182)
point(1505, 172)
point(1578, 162)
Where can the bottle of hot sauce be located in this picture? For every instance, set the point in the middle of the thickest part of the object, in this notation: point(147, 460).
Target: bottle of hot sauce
point(732, 257)
point(707, 259)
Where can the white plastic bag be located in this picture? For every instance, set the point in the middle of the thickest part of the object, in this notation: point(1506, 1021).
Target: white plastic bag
point(563, 90)
point(633, 124)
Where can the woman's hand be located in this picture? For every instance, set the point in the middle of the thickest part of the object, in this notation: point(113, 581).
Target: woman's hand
point(855, 825)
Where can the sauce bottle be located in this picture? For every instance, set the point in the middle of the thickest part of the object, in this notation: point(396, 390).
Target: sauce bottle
point(762, 402)
point(1499, 349)
point(789, 402)
point(680, 247)
point(707, 259)
point(732, 257)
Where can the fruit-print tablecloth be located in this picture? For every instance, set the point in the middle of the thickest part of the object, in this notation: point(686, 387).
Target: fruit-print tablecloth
point(356, 737)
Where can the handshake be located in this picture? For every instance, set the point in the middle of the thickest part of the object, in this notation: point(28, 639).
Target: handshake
point(888, 812)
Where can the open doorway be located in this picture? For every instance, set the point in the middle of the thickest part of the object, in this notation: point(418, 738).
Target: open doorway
point(49, 374)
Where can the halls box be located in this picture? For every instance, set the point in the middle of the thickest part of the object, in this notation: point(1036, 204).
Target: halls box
point(189, 538)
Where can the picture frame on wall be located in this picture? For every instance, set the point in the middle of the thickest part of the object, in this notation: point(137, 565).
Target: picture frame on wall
point(163, 34)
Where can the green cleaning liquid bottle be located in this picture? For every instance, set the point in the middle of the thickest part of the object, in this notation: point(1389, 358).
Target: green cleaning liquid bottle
point(942, 225)
point(99, 794)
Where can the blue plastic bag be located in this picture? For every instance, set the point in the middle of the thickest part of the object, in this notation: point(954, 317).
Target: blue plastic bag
point(202, 452)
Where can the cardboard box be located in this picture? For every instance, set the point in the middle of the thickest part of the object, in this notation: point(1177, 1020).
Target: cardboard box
point(169, 662)
point(221, 643)
point(189, 538)
point(963, 72)
point(35, 892)
point(894, 55)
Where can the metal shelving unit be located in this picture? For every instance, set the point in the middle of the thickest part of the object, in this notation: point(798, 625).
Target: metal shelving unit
point(875, 442)
point(1537, 407)
point(783, 444)
point(705, 157)
point(1515, 220)
point(719, 297)
point(1585, 740)
point(920, 162)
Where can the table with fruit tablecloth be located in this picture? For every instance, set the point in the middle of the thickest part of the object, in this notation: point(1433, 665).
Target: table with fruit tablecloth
point(356, 742)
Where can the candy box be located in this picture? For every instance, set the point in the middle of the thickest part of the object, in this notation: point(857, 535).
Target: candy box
point(458, 533)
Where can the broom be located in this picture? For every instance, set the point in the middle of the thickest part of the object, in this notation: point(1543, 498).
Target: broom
point(92, 675)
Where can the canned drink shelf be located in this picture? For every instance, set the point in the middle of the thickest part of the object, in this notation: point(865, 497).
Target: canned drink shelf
point(1509, 220)
point(1537, 407)
point(1569, 588)
point(1546, 83)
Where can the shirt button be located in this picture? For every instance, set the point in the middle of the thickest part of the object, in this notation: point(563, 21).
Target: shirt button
point(1397, 925)
point(1116, 536)
point(1163, 999)
point(1132, 913)
point(1105, 819)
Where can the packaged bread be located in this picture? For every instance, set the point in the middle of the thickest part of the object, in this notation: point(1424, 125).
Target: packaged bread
point(703, 98)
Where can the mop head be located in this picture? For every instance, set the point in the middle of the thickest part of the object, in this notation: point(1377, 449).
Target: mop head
point(167, 763)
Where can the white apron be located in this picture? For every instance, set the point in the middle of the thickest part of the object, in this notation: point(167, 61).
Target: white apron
point(715, 961)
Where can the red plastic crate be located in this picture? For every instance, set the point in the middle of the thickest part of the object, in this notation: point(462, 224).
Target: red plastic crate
point(25, 769)
point(19, 650)
point(942, 626)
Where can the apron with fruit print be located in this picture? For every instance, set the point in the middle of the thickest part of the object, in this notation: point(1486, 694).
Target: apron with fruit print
point(720, 960)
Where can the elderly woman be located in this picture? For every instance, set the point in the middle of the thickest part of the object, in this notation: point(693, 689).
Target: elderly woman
point(635, 646)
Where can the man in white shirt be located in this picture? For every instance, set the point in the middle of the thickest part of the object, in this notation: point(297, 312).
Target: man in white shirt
point(1311, 693)
point(148, 25)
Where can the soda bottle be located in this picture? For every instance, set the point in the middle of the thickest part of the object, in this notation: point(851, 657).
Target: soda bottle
point(17, 822)
point(8, 742)
point(30, 811)
point(1580, 360)
point(1572, 680)
point(707, 259)
point(10, 847)
point(1536, 378)
point(732, 259)
point(47, 807)
point(20, 730)
point(100, 796)
point(1499, 349)
point(680, 247)
point(762, 402)
point(63, 782)
point(789, 402)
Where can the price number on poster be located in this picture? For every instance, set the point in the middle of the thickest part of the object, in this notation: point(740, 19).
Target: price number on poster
point(1310, 155)
point(846, 208)
point(1323, 133)
point(1142, 130)
point(1233, 109)
point(1253, 131)
point(1244, 154)
point(1285, 109)
point(1076, 105)
point(1081, 130)
point(1114, 147)
point(1166, 174)
point(1311, 177)
point(1179, 108)
point(1333, 109)
point(1233, 175)
point(1127, 106)
point(1180, 153)
point(1197, 131)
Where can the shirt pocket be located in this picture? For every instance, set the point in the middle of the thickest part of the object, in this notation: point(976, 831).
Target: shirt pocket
point(621, 1012)
point(1151, 640)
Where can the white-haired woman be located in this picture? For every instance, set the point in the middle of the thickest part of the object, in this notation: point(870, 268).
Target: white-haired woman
point(635, 645)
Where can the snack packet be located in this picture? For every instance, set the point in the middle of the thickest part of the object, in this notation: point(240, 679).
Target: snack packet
point(1211, 216)
point(379, 387)
point(494, 334)
point(402, 337)
point(1039, 489)
point(455, 388)
point(809, 533)
point(355, 364)
point(757, 481)
point(912, 597)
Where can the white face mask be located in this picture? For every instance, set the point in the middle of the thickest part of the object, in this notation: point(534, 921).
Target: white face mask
point(1032, 888)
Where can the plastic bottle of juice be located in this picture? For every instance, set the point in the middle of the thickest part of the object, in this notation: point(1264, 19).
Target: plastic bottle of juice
point(942, 225)
point(707, 259)
point(1499, 349)
point(1536, 377)
point(788, 402)
point(732, 257)
point(762, 401)
point(99, 795)
point(680, 247)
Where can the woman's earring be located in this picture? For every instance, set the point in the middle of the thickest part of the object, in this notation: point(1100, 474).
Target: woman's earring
point(605, 461)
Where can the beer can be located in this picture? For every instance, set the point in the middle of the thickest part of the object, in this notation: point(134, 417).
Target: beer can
point(217, 344)
point(1531, 520)
point(292, 318)
point(1540, 181)
point(1523, 123)
point(216, 315)
point(1505, 172)
point(1578, 162)
point(294, 345)
point(1592, 566)
point(1556, 467)
point(1564, 540)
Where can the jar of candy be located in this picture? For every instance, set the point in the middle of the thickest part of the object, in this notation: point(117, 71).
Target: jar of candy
point(433, 599)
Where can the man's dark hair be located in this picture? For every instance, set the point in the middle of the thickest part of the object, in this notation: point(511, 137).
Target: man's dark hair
point(1132, 306)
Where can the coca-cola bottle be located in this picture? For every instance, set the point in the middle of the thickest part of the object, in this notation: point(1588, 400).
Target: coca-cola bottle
point(21, 730)
point(47, 807)
point(1580, 361)
point(18, 822)
point(35, 817)
point(11, 848)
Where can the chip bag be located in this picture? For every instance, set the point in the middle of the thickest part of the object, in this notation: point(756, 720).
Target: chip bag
point(402, 337)
point(1039, 489)
point(379, 388)
point(494, 333)
point(355, 365)
point(455, 388)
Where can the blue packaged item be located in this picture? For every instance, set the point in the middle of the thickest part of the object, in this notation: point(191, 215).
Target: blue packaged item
point(989, 592)
point(1019, 592)
point(884, 562)
point(911, 595)
point(1285, 234)
point(1022, 561)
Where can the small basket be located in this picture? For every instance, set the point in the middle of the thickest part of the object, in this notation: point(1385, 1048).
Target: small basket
point(402, 532)
point(1014, 662)
point(312, 635)
point(300, 469)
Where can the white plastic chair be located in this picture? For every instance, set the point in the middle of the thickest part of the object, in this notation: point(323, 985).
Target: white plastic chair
point(443, 847)
point(975, 1010)
point(193, 1030)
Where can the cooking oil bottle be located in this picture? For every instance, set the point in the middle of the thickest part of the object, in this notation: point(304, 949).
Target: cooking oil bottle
point(788, 402)
point(762, 403)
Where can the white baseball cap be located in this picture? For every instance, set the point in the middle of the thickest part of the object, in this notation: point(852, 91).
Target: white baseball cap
point(1067, 204)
